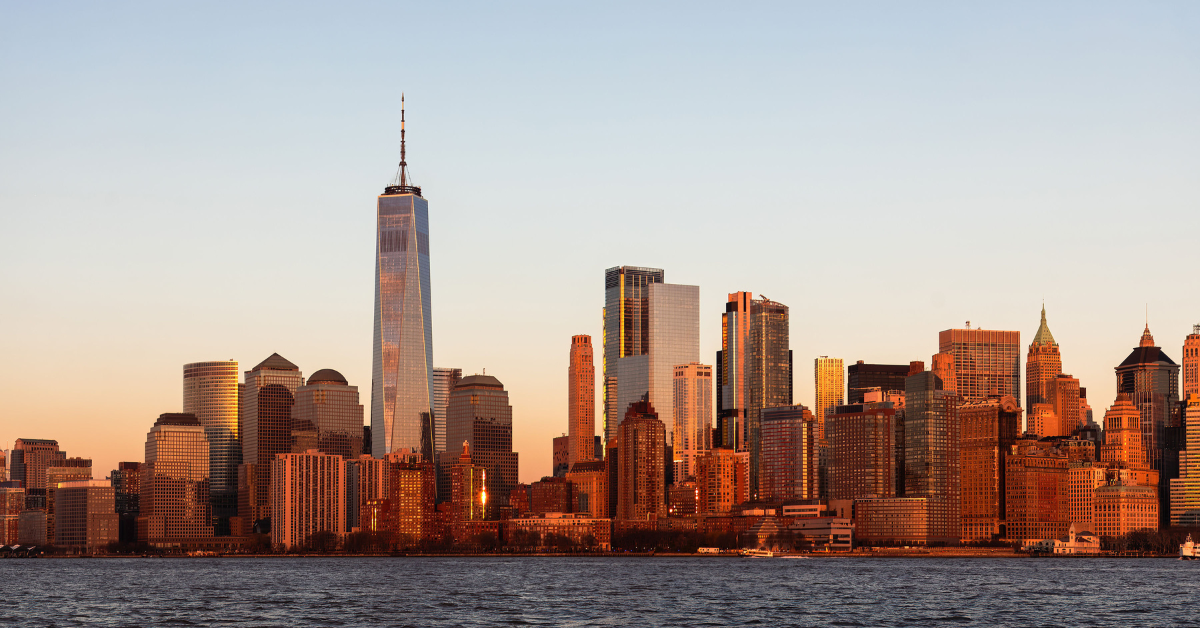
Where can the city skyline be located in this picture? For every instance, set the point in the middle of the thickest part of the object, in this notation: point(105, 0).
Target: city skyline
point(143, 313)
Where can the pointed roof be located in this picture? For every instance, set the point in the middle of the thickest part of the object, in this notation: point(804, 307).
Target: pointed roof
point(1043, 335)
point(276, 363)
point(1147, 339)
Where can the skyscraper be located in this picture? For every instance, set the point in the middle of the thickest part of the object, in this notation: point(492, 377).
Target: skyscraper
point(210, 391)
point(1042, 364)
point(861, 378)
point(989, 430)
point(581, 401)
point(789, 455)
point(265, 412)
point(402, 351)
point(328, 405)
point(641, 488)
point(830, 388)
point(932, 454)
point(986, 362)
point(174, 504)
point(862, 450)
point(672, 335)
point(1191, 364)
point(693, 416)
point(732, 397)
point(1151, 379)
point(1185, 490)
point(308, 496)
point(1063, 393)
point(479, 414)
point(626, 329)
point(444, 381)
point(30, 459)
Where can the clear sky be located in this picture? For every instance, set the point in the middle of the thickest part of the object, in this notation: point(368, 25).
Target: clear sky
point(187, 181)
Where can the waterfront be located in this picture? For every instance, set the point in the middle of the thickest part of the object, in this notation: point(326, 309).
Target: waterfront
point(489, 591)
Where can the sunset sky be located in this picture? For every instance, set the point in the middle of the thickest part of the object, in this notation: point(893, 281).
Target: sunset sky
point(186, 182)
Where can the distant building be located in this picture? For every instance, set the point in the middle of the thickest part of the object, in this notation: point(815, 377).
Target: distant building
point(589, 481)
point(1083, 478)
point(790, 449)
point(366, 481)
point(85, 516)
point(861, 378)
point(551, 494)
point(986, 362)
point(722, 481)
point(693, 416)
point(1185, 490)
point(444, 381)
point(1077, 541)
point(1064, 398)
point(67, 470)
point(561, 456)
point(308, 496)
point(989, 429)
point(891, 521)
point(1151, 379)
point(265, 415)
point(626, 329)
point(681, 499)
point(829, 386)
point(126, 483)
point(210, 391)
point(1043, 363)
point(581, 401)
point(468, 494)
point(862, 450)
point(1191, 364)
point(932, 453)
point(174, 504)
point(412, 519)
point(1036, 491)
point(12, 504)
point(328, 405)
point(30, 459)
point(642, 439)
point(1124, 504)
point(479, 414)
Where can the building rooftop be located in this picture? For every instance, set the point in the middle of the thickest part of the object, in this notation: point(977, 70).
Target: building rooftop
point(1043, 335)
point(276, 363)
point(177, 418)
point(1146, 355)
point(479, 381)
point(327, 376)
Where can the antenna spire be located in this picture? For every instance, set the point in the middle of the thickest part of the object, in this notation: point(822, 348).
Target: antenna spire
point(401, 184)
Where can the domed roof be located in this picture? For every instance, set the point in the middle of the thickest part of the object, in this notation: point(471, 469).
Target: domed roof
point(327, 376)
point(479, 381)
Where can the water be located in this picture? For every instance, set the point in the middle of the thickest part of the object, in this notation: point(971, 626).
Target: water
point(663, 591)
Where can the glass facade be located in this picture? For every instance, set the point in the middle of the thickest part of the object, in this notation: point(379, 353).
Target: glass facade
point(693, 416)
point(402, 351)
point(932, 442)
point(330, 408)
point(479, 414)
point(266, 419)
point(861, 378)
point(444, 381)
point(626, 329)
point(210, 391)
point(175, 495)
point(986, 362)
point(673, 338)
point(789, 454)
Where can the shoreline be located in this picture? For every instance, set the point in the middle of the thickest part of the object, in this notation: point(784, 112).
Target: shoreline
point(922, 554)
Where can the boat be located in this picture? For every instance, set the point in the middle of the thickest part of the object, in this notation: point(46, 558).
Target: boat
point(758, 553)
point(1189, 550)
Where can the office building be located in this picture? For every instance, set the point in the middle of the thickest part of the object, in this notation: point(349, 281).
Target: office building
point(30, 459)
point(1064, 400)
point(1191, 364)
point(790, 450)
point(1151, 379)
point(561, 456)
point(989, 430)
point(829, 387)
point(932, 453)
point(626, 329)
point(1185, 490)
point(1124, 443)
point(1036, 491)
point(673, 330)
point(85, 517)
point(126, 481)
point(1083, 478)
point(265, 411)
point(479, 414)
point(366, 481)
point(444, 381)
point(308, 496)
point(469, 488)
point(402, 349)
point(210, 391)
point(986, 362)
point(66, 470)
point(12, 504)
point(327, 406)
point(862, 450)
point(693, 401)
point(581, 401)
point(861, 378)
point(722, 481)
point(1043, 363)
point(641, 489)
point(175, 501)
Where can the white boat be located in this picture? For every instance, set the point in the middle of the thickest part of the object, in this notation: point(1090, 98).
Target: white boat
point(1189, 550)
point(758, 553)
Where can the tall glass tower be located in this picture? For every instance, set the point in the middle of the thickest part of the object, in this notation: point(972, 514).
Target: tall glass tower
point(402, 360)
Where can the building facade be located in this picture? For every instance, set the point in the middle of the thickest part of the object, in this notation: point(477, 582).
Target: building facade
point(581, 400)
point(693, 401)
point(328, 406)
point(861, 378)
point(1191, 364)
point(932, 453)
point(30, 457)
point(210, 391)
point(175, 506)
point(1043, 363)
point(308, 496)
point(862, 450)
point(642, 484)
point(444, 381)
point(790, 455)
point(722, 481)
point(265, 411)
point(626, 329)
point(1185, 490)
point(479, 414)
point(989, 430)
point(85, 517)
point(1151, 380)
point(985, 362)
point(1036, 491)
point(829, 386)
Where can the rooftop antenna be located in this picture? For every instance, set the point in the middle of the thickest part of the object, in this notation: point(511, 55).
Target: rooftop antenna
point(401, 184)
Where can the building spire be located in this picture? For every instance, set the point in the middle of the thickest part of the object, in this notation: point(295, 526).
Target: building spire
point(401, 184)
point(1147, 339)
point(1043, 335)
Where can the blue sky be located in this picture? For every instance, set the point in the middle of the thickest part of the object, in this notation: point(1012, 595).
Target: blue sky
point(187, 182)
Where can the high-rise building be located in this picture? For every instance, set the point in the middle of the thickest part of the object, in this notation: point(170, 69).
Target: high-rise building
point(1124, 443)
point(989, 429)
point(127, 482)
point(732, 396)
point(444, 381)
point(829, 386)
point(861, 378)
point(1185, 490)
point(402, 350)
point(561, 456)
point(210, 391)
point(641, 488)
point(986, 362)
point(1191, 364)
point(932, 453)
point(12, 504)
point(66, 470)
point(366, 481)
point(1042, 364)
point(581, 400)
point(672, 337)
point(790, 449)
point(1083, 478)
point(862, 450)
point(1151, 379)
point(3, 465)
point(469, 491)
point(327, 405)
point(590, 482)
point(1063, 393)
point(626, 329)
point(175, 502)
point(30, 459)
point(412, 518)
point(85, 517)
point(308, 497)
point(479, 414)
point(943, 367)
point(265, 416)
point(1036, 491)
point(721, 480)
point(693, 416)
